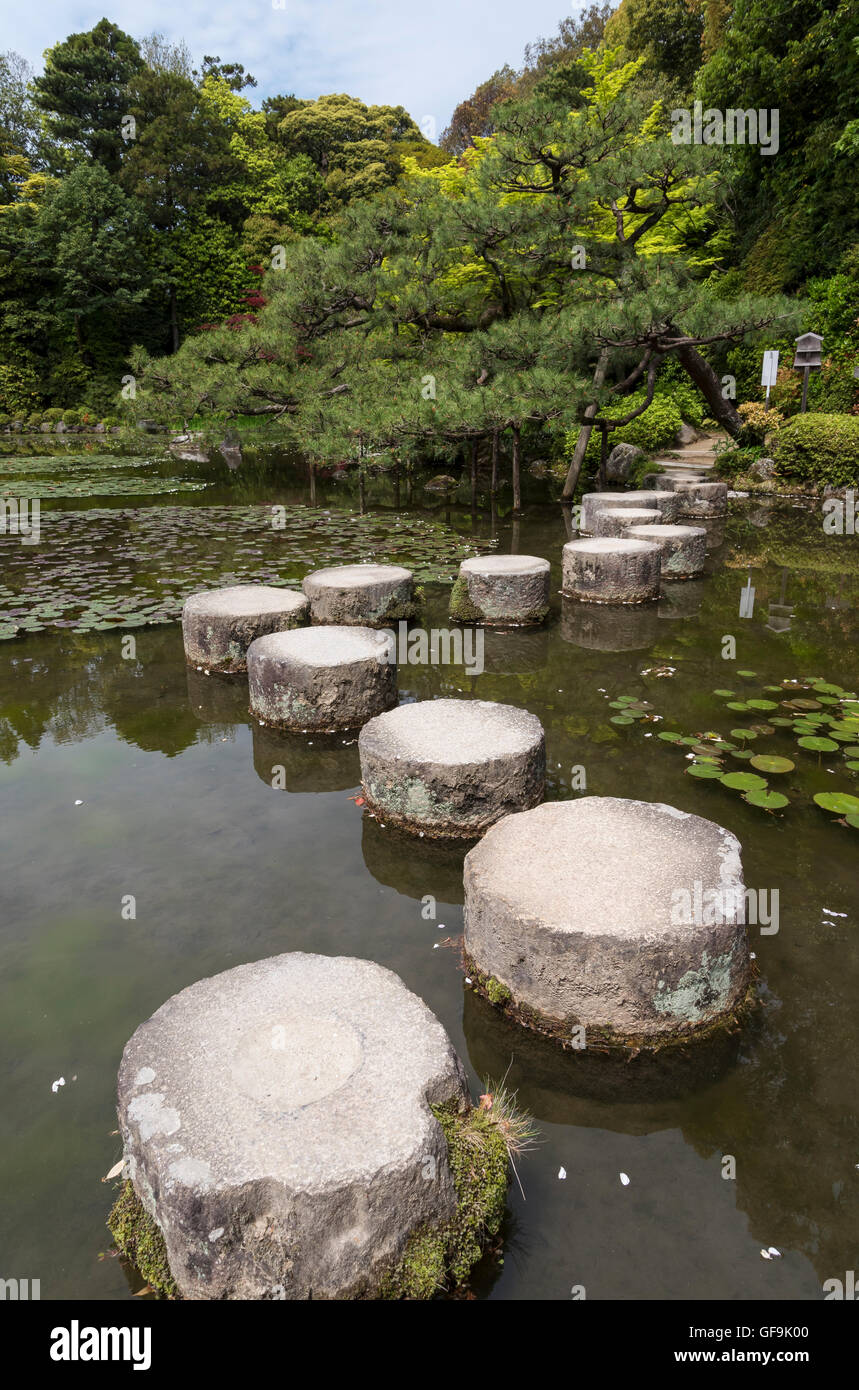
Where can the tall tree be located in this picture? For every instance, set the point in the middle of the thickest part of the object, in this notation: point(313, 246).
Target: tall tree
point(179, 156)
point(83, 91)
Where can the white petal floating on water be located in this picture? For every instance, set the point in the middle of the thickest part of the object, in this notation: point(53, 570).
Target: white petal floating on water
point(562, 1173)
point(624, 1179)
point(55, 1085)
point(773, 1253)
point(830, 913)
point(115, 1170)
point(765, 1255)
point(79, 803)
point(468, 980)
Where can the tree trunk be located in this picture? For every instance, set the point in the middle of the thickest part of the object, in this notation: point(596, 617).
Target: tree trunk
point(493, 486)
point(517, 491)
point(475, 444)
point(711, 388)
point(603, 457)
point(578, 459)
point(174, 319)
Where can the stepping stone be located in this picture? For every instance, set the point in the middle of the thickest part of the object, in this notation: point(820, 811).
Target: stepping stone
point(218, 625)
point(361, 595)
point(321, 679)
point(278, 1128)
point(603, 627)
point(684, 548)
point(450, 768)
point(615, 521)
point(607, 569)
point(626, 917)
point(651, 498)
point(701, 499)
point(501, 590)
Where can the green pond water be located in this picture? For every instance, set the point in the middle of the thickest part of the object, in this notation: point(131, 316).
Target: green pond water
point(176, 808)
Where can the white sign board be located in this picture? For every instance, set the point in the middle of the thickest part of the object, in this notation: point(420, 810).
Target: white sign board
point(770, 371)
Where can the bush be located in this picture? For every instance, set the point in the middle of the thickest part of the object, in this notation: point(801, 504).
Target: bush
point(5, 419)
point(71, 417)
point(819, 448)
point(52, 415)
point(758, 421)
point(34, 420)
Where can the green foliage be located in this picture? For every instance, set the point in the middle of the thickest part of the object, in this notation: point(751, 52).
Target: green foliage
point(82, 92)
point(819, 448)
point(444, 1257)
point(139, 1239)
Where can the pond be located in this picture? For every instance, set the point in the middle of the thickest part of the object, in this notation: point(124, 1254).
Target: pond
point(125, 775)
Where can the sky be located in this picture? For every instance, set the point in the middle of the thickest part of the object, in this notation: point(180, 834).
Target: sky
point(424, 56)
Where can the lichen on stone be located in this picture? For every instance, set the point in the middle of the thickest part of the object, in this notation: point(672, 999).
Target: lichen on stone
point(139, 1239)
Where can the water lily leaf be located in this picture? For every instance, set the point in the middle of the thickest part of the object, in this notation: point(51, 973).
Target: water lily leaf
point(818, 745)
point(762, 704)
point(842, 803)
point(704, 770)
point(769, 801)
point(764, 762)
point(743, 735)
point(743, 781)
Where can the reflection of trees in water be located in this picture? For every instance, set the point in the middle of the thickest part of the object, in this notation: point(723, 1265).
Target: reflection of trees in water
point(76, 685)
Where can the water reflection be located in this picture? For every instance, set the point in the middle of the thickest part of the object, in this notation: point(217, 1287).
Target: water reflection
point(415, 867)
point(604, 627)
point(562, 1086)
point(293, 762)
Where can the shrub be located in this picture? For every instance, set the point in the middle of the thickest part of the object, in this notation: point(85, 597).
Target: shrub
point(819, 448)
point(110, 421)
point(34, 420)
point(5, 419)
point(53, 415)
point(71, 417)
point(758, 421)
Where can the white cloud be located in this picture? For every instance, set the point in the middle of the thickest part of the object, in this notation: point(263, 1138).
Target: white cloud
point(426, 57)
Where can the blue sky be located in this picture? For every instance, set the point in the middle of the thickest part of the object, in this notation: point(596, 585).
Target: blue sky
point(426, 57)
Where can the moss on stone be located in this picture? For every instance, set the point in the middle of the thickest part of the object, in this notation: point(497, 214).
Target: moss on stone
point(139, 1239)
point(461, 606)
point(497, 993)
point(442, 1258)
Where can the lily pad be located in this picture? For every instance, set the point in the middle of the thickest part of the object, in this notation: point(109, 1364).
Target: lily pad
point(704, 770)
point(818, 745)
point(842, 803)
point(767, 800)
point(765, 762)
point(743, 781)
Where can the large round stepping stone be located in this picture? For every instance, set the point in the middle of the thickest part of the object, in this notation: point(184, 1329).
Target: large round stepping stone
point(615, 521)
point(652, 498)
point(277, 1127)
point(361, 595)
point(626, 917)
point(321, 678)
point(703, 500)
point(683, 548)
point(607, 569)
point(501, 589)
point(219, 625)
point(450, 768)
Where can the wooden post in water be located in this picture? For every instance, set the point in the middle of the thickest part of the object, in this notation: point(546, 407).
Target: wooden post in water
point(517, 459)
